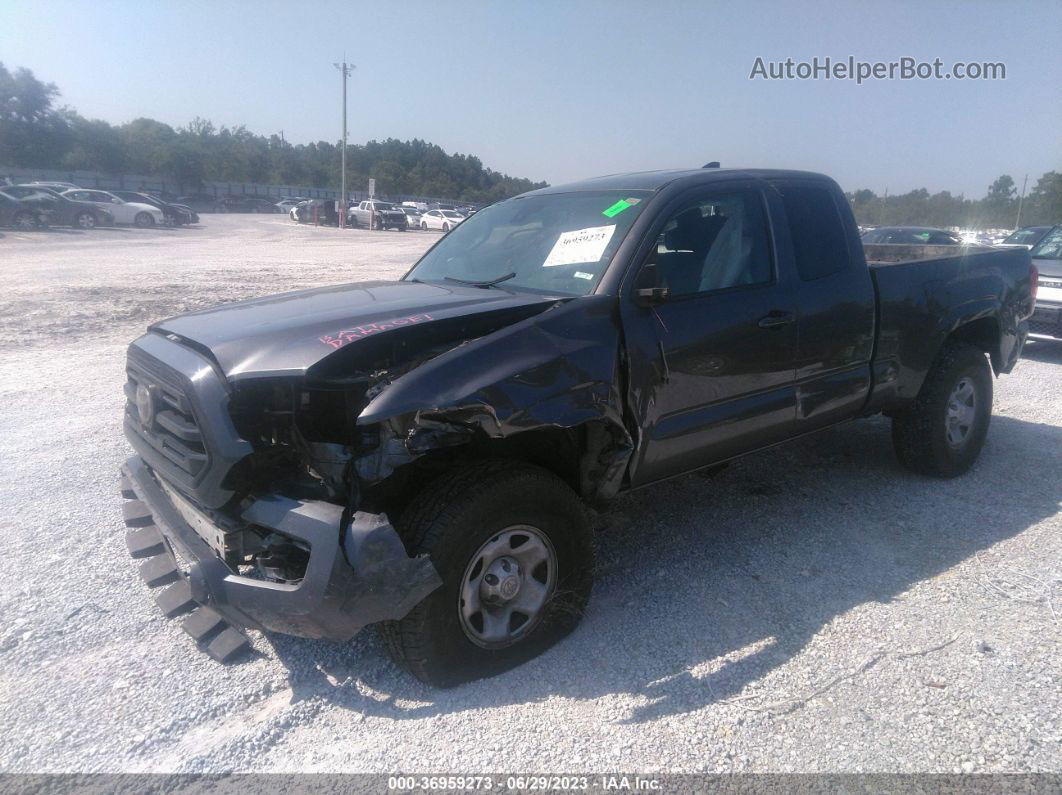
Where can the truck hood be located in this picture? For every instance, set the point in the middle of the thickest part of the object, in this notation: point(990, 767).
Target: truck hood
point(285, 335)
point(1051, 268)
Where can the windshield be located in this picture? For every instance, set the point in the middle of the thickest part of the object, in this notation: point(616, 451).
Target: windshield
point(1025, 236)
point(451, 214)
point(1050, 247)
point(555, 243)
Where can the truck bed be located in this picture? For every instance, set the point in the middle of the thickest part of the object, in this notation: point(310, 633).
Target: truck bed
point(984, 289)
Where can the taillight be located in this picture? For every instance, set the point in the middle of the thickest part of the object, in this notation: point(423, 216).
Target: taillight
point(1034, 281)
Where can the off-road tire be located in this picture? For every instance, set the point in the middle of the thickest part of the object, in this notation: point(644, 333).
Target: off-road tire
point(449, 521)
point(144, 220)
point(919, 434)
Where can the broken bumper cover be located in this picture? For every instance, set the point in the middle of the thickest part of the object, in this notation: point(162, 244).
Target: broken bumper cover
point(367, 578)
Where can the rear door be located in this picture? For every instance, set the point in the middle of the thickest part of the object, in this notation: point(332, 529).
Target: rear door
point(712, 366)
point(833, 288)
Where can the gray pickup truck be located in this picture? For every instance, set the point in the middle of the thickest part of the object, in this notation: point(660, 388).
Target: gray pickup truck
point(373, 214)
point(420, 453)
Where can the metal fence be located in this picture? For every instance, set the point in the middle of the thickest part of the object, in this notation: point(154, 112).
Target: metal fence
point(147, 184)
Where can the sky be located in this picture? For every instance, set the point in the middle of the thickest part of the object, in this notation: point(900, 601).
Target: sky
point(559, 91)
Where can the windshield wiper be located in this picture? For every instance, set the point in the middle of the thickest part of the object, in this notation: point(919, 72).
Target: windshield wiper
point(487, 283)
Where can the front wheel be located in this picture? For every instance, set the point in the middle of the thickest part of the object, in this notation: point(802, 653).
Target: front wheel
point(24, 220)
point(943, 432)
point(423, 226)
point(85, 221)
point(144, 220)
point(514, 548)
point(446, 227)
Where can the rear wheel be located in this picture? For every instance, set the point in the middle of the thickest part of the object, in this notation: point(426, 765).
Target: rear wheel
point(423, 226)
point(943, 432)
point(85, 221)
point(514, 548)
point(144, 220)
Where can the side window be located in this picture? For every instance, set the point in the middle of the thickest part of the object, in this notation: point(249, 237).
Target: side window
point(816, 229)
point(712, 243)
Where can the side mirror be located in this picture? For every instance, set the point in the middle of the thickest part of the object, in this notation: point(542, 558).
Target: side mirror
point(651, 296)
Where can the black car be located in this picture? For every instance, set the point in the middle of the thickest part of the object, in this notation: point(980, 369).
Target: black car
point(59, 209)
point(326, 214)
point(16, 212)
point(911, 235)
point(176, 214)
point(248, 204)
point(201, 202)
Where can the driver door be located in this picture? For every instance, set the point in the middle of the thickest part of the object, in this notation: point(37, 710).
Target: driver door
point(711, 331)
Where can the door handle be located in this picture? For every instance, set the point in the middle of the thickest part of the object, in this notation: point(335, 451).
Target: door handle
point(776, 318)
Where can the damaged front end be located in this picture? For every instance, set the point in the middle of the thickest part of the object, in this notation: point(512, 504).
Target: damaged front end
point(264, 502)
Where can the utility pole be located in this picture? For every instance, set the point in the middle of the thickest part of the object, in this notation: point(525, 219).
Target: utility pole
point(1017, 223)
point(346, 69)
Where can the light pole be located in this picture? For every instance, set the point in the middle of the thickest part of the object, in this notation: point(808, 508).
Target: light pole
point(1025, 182)
point(346, 69)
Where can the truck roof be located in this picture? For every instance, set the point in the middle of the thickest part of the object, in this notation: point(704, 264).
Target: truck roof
point(655, 180)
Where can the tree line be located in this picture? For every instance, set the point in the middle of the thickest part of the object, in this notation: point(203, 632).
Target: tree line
point(998, 209)
point(36, 133)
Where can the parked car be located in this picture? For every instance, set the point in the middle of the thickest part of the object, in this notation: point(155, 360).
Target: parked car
point(375, 214)
point(137, 213)
point(419, 452)
point(16, 212)
point(1047, 257)
point(175, 214)
point(247, 204)
point(325, 209)
point(911, 235)
point(412, 216)
point(58, 186)
point(419, 206)
point(441, 219)
point(200, 202)
point(62, 210)
point(286, 205)
point(1026, 237)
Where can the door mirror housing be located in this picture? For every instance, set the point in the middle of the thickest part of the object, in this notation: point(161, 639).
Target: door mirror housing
point(651, 296)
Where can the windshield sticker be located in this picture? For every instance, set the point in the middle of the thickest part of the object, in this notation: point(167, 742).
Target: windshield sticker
point(583, 275)
point(619, 207)
point(579, 245)
point(341, 338)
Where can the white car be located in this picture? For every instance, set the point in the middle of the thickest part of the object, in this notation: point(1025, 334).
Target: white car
point(287, 205)
point(440, 219)
point(124, 212)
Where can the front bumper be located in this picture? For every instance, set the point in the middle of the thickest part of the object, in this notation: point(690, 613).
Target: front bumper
point(365, 578)
point(1046, 320)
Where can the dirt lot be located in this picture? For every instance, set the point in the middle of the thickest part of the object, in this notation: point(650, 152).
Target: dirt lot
point(812, 608)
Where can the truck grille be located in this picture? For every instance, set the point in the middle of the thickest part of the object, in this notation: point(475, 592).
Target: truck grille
point(164, 419)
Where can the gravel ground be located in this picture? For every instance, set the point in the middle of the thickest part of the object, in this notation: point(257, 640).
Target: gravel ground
point(812, 608)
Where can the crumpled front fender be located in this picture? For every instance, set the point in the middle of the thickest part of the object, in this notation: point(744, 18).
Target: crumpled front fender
point(558, 369)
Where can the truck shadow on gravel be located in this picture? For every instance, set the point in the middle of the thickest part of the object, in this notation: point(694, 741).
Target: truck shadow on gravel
point(706, 585)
